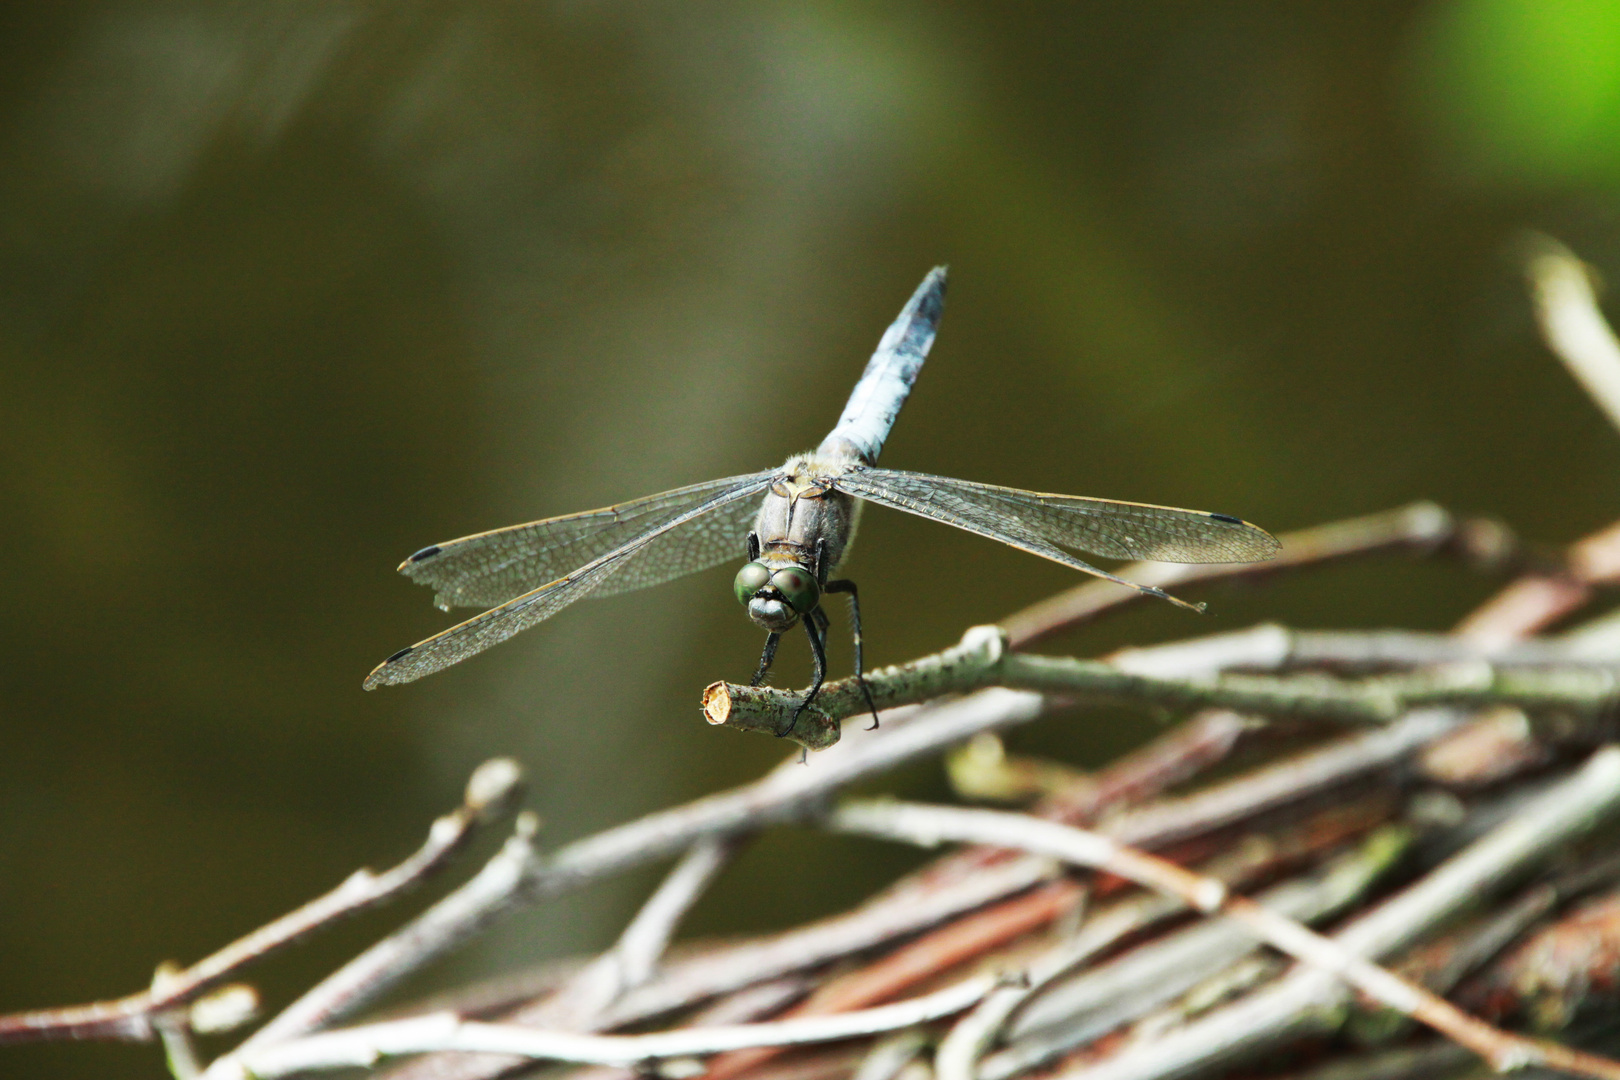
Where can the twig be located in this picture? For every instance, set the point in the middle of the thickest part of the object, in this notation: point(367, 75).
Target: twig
point(961, 667)
point(891, 1054)
point(932, 825)
point(762, 999)
point(1442, 964)
point(1426, 1061)
point(451, 920)
point(579, 1003)
point(1280, 783)
point(179, 1049)
point(1572, 324)
point(1309, 1002)
point(1271, 646)
point(632, 959)
point(1128, 986)
point(955, 885)
point(174, 1029)
point(1560, 969)
point(1421, 526)
point(935, 953)
point(893, 914)
point(1575, 330)
point(492, 787)
point(978, 662)
point(366, 1045)
point(519, 876)
point(1179, 754)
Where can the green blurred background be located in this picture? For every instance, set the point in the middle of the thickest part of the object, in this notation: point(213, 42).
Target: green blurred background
point(290, 290)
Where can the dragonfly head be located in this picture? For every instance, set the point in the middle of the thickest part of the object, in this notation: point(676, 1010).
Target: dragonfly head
point(775, 598)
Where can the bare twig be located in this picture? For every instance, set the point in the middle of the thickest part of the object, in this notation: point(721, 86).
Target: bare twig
point(492, 787)
point(1442, 964)
point(931, 825)
point(367, 1044)
point(1281, 782)
point(1271, 646)
point(895, 913)
point(978, 661)
point(1575, 330)
point(450, 920)
point(632, 959)
point(1560, 969)
point(1128, 986)
point(952, 887)
point(578, 1005)
point(888, 1056)
point(935, 953)
point(1572, 324)
point(518, 875)
point(1309, 1002)
point(1425, 1061)
point(1180, 753)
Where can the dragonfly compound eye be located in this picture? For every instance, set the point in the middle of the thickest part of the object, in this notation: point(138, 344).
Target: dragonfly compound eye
point(750, 579)
point(798, 587)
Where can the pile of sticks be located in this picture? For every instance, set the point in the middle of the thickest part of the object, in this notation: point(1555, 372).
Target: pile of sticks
point(1360, 854)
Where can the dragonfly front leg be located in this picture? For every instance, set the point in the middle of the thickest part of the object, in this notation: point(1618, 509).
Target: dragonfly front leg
point(765, 659)
point(847, 586)
point(818, 650)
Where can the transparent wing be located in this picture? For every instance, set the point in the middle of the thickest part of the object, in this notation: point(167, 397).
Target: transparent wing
point(491, 567)
point(699, 537)
point(1114, 530)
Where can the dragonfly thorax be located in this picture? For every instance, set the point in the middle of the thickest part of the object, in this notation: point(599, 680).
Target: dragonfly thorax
point(804, 520)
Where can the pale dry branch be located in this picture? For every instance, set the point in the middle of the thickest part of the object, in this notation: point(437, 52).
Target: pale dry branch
point(633, 958)
point(366, 1045)
point(492, 788)
point(1127, 987)
point(1597, 794)
point(519, 875)
point(1307, 1002)
point(1572, 323)
point(980, 661)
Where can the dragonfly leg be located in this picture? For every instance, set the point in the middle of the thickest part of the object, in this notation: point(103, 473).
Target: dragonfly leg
point(847, 586)
point(765, 659)
point(753, 546)
point(818, 650)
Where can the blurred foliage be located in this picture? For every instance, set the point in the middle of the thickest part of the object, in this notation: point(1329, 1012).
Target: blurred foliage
point(288, 291)
point(1519, 92)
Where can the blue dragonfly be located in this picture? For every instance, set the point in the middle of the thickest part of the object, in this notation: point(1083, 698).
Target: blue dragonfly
point(794, 523)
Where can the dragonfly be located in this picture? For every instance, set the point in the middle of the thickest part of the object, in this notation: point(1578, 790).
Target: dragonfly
point(794, 524)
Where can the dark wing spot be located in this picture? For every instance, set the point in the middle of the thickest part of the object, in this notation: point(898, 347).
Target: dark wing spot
point(429, 552)
point(406, 651)
point(1228, 518)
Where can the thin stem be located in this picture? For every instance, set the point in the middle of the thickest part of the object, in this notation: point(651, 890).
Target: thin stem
point(492, 787)
point(1572, 323)
point(365, 1045)
point(929, 825)
point(978, 661)
point(519, 876)
point(633, 958)
point(450, 921)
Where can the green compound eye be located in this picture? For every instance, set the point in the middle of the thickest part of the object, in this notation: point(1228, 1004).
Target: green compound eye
point(750, 579)
point(799, 587)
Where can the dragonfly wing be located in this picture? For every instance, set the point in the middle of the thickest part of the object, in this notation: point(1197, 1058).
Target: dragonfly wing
point(699, 537)
point(491, 567)
point(1114, 530)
